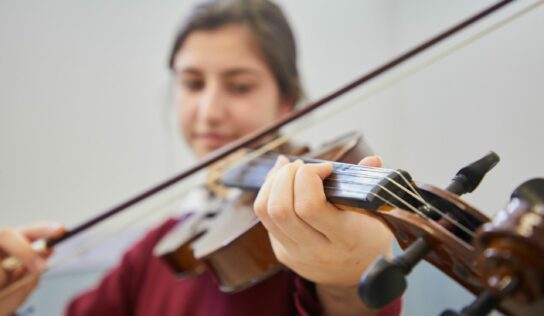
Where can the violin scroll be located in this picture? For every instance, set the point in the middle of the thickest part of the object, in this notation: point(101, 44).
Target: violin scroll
point(508, 251)
point(385, 280)
point(509, 256)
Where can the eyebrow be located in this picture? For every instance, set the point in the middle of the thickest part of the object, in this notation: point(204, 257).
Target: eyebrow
point(189, 70)
point(240, 71)
point(228, 73)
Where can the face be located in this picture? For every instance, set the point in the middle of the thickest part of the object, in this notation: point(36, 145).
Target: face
point(224, 89)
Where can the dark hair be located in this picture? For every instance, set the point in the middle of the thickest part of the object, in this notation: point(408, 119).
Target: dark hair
point(270, 30)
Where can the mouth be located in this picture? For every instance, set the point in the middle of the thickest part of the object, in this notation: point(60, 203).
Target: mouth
point(212, 140)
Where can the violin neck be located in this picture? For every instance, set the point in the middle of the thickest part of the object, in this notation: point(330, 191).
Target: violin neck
point(348, 185)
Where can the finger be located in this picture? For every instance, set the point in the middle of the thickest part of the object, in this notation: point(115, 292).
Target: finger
point(280, 162)
point(281, 208)
point(16, 245)
point(16, 296)
point(371, 161)
point(260, 207)
point(311, 204)
point(9, 277)
point(41, 230)
point(282, 253)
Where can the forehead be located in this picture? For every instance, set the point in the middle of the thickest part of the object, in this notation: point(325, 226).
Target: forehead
point(222, 49)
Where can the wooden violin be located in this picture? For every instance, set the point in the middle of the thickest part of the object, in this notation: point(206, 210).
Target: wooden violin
point(430, 223)
point(493, 259)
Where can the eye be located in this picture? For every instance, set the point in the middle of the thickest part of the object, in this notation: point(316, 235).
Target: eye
point(192, 84)
point(240, 88)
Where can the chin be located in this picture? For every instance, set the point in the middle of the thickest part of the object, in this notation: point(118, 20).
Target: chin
point(202, 150)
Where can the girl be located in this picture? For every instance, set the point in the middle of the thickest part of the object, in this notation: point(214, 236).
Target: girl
point(235, 69)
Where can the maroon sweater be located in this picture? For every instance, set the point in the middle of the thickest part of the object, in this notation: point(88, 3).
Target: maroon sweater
point(143, 285)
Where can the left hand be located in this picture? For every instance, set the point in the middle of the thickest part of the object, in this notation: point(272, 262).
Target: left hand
point(312, 236)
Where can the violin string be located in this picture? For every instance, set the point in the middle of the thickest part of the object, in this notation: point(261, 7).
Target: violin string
point(390, 203)
point(263, 169)
point(283, 139)
point(369, 172)
point(443, 215)
point(406, 203)
point(394, 205)
point(415, 194)
point(259, 152)
point(410, 190)
point(260, 170)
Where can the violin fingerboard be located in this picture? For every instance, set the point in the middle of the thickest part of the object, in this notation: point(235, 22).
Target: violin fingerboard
point(350, 185)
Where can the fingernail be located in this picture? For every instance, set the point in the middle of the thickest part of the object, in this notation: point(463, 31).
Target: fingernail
point(371, 161)
point(281, 160)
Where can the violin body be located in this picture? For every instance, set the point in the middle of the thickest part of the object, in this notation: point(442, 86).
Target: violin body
point(234, 246)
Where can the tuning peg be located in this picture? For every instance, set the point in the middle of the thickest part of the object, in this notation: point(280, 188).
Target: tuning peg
point(469, 177)
point(386, 280)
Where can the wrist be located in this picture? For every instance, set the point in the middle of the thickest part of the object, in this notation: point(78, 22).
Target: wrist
point(339, 300)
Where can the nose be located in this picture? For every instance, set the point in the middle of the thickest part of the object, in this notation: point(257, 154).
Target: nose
point(212, 107)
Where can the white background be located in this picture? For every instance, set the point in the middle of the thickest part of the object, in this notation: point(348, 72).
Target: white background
point(85, 117)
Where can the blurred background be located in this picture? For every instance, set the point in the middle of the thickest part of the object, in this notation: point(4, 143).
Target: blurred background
point(86, 117)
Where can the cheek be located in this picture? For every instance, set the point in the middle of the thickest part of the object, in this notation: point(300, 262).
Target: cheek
point(253, 116)
point(258, 112)
point(186, 114)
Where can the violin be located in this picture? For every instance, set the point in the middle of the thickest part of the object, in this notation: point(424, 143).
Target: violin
point(493, 259)
point(500, 260)
point(471, 251)
point(232, 243)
